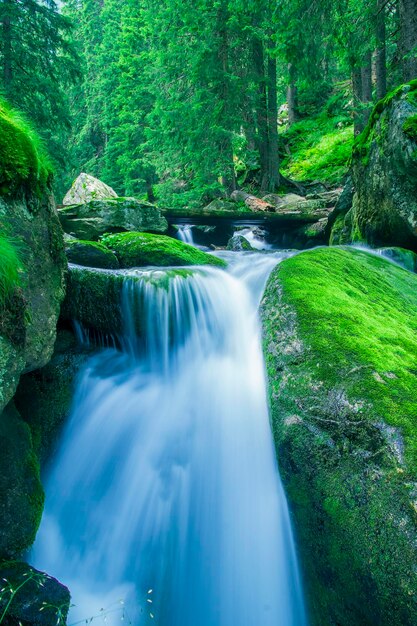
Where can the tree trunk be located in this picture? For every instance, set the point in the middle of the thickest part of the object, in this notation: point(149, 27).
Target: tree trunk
point(292, 95)
point(7, 47)
point(273, 155)
point(357, 100)
point(262, 112)
point(408, 38)
point(366, 80)
point(381, 51)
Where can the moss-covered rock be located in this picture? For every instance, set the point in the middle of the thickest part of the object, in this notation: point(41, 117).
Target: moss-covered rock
point(91, 220)
point(21, 493)
point(31, 597)
point(144, 249)
point(384, 170)
point(340, 340)
point(238, 243)
point(90, 254)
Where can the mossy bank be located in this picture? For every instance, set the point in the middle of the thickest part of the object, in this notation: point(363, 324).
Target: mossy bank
point(340, 340)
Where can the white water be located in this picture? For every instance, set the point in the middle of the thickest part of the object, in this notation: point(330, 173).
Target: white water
point(165, 492)
point(251, 234)
point(185, 233)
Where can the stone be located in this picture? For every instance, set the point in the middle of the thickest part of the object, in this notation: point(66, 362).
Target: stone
point(90, 254)
point(384, 171)
point(91, 220)
point(87, 188)
point(40, 601)
point(238, 243)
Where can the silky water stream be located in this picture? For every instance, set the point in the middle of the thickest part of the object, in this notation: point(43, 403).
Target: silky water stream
point(164, 502)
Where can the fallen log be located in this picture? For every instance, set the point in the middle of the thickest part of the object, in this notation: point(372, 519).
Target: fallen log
point(252, 202)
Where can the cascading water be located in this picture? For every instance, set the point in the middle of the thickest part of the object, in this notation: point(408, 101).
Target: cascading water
point(185, 233)
point(165, 492)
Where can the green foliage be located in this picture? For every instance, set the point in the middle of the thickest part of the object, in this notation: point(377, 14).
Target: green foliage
point(9, 268)
point(320, 149)
point(23, 159)
point(144, 249)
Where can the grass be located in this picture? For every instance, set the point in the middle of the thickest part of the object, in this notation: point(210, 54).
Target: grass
point(9, 268)
point(144, 249)
point(320, 149)
point(23, 158)
point(358, 313)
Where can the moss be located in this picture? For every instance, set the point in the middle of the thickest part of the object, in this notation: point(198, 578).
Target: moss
point(410, 127)
point(23, 158)
point(143, 249)
point(363, 141)
point(340, 332)
point(9, 268)
point(90, 254)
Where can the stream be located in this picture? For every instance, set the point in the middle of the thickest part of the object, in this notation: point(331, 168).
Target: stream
point(164, 502)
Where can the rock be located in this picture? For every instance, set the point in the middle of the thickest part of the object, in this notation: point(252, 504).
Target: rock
point(274, 199)
point(220, 205)
point(144, 249)
point(90, 254)
point(338, 227)
point(94, 299)
point(238, 243)
point(87, 188)
point(384, 169)
point(312, 234)
point(291, 198)
point(21, 493)
point(342, 388)
point(91, 220)
point(29, 314)
point(44, 398)
point(40, 600)
point(405, 258)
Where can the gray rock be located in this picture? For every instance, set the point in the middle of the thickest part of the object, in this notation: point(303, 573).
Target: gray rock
point(238, 243)
point(86, 188)
point(91, 220)
point(90, 254)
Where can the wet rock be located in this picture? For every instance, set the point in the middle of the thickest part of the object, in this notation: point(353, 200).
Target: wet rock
point(90, 254)
point(238, 243)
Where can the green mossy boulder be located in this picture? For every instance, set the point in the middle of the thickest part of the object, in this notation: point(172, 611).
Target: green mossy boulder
point(384, 172)
point(144, 249)
point(37, 599)
point(238, 243)
point(340, 341)
point(91, 220)
point(21, 493)
point(90, 254)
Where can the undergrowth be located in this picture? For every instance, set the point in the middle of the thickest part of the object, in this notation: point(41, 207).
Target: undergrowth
point(318, 149)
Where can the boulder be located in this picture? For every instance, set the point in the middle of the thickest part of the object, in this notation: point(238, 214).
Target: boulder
point(21, 493)
point(340, 341)
point(144, 249)
point(37, 599)
point(90, 254)
point(91, 220)
point(31, 238)
point(87, 188)
point(384, 170)
point(238, 243)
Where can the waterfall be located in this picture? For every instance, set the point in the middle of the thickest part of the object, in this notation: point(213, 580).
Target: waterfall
point(185, 233)
point(164, 503)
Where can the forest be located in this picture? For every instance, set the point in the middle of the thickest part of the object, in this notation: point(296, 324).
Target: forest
point(180, 102)
point(208, 312)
